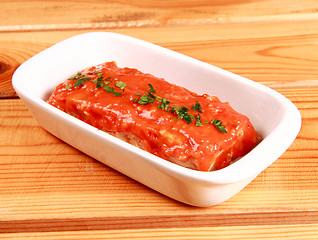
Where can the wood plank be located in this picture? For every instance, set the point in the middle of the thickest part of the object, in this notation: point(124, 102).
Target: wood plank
point(118, 14)
point(278, 232)
point(272, 57)
point(159, 222)
point(44, 178)
point(49, 190)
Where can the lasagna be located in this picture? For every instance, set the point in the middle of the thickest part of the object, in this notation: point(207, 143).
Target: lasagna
point(195, 131)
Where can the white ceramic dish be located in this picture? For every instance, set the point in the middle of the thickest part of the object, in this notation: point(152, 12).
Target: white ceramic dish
point(275, 118)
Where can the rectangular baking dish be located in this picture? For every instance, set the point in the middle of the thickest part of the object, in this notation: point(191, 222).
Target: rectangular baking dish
point(274, 117)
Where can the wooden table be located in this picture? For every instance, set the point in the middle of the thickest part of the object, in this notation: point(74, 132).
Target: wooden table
point(50, 190)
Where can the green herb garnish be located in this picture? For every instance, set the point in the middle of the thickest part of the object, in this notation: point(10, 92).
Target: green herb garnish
point(112, 91)
point(149, 97)
point(108, 89)
point(99, 81)
point(198, 121)
point(76, 76)
point(218, 125)
point(164, 103)
point(182, 113)
point(151, 88)
point(120, 84)
point(197, 107)
point(146, 99)
point(104, 83)
point(117, 94)
point(81, 79)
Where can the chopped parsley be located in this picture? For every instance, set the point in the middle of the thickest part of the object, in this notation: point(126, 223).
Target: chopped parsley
point(198, 121)
point(218, 125)
point(146, 99)
point(100, 82)
point(149, 97)
point(182, 113)
point(76, 76)
point(197, 107)
point(120, 84)
point(164, 103)
point(151, 89)
point(81, 79)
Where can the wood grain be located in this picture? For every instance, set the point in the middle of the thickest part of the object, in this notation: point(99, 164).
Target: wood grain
point(49, 190)
point(42, 177)
point(271, 57)
point(122, 14)
point(304, 232)
point(155, 222)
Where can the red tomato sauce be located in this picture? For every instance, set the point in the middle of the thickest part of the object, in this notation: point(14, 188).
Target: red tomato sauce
point(159, 131)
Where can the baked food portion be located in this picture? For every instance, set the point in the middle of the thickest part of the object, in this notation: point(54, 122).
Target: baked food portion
point(195, 131)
